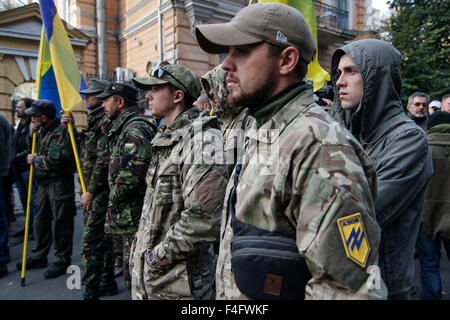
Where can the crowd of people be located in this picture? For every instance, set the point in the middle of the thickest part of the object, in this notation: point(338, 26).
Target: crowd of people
point(241, 186)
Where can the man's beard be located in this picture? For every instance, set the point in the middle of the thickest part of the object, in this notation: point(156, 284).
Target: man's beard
point(256, 98)
point(419, 116)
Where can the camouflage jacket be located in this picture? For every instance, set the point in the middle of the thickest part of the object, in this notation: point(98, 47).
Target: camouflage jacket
point(55, 157)
point(232, 131)
point(99, 178)
point(186, 184)
point(129, 142)
point(301, 173)
point(94, 154)
point(233, 137)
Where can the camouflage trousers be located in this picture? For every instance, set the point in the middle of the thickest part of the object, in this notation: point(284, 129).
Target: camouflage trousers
point(125, 240)
point(118, 250)
point(97, 252)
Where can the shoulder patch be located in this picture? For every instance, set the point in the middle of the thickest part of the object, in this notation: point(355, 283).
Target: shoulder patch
point(129, 145)
point(354, 238)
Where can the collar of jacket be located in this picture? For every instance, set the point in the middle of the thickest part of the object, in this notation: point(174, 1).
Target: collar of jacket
point(264, 113)
point(167, 135)
point(440, 128)
point(95, 114)
point(51, 126)
point(283, 108)
point(92, 112)
point(123, 118)
point(183, 125)
point(24, 128)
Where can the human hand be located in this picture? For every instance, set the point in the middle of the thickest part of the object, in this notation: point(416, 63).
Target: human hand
point(66, 118)
point(30, 158)
point(87, 200)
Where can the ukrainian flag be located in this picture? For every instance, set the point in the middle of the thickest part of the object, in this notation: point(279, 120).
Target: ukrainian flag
point(58, 76)
point(315, 71)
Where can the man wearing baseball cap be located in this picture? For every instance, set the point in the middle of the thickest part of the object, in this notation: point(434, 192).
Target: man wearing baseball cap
point(173, 252)
point(305, 188)
point(129, 140)
point(54, 165)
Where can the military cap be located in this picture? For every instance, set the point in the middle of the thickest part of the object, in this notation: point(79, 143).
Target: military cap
point(124, 90)
point(275, 23)
point(45, 107)
point(177, 75)
point(96, 85)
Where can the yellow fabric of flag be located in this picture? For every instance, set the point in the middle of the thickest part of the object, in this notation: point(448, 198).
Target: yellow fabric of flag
point(315, 71)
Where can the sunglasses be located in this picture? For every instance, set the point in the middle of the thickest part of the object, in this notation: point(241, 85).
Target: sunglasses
point(159, 71)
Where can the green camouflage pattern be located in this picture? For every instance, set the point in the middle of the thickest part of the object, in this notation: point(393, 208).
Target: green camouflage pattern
point(180, 219)
point(232, 131)
point(99, 177)
point(129, 141)
point(301, 171)
point(55, 157)
point(88, 140)
point(97, 252)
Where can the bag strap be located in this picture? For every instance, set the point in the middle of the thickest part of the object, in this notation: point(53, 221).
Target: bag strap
point(237, 173)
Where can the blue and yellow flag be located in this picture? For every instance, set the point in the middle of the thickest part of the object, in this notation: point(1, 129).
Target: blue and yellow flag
point(58, 76)
point(306, 7)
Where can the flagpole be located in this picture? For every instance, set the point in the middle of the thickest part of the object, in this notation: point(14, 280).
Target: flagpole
point(75, 153)
point(27, 219)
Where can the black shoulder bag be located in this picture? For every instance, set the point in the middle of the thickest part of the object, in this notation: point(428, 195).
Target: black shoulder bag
point(266, 264)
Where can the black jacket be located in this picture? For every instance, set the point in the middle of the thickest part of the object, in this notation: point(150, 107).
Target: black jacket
point(20, 148)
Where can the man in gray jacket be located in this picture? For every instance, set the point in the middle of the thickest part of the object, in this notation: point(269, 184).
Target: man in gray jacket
point(367, 102)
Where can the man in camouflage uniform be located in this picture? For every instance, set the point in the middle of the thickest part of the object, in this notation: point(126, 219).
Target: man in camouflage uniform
point(236, 120)
point(54, 166)
point(304, 179)
point(129, 141)
point(172, 255)
point(96, 247)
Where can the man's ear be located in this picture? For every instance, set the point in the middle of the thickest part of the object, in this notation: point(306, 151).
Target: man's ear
point(121, 103)
point(408, 107)
point(289, 58)
point(178, 96)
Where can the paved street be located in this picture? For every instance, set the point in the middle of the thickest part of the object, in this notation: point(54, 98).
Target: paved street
point(36, 286)
point(65, 287)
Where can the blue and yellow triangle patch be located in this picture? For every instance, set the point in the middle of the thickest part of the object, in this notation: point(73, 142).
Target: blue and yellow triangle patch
point(354, 238)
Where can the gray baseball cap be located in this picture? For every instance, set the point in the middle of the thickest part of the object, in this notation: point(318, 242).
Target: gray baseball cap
point(96, 85)
point(275, 23)
point(177, 75)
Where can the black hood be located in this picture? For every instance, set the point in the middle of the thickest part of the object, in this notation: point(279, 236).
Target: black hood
point(380, 107)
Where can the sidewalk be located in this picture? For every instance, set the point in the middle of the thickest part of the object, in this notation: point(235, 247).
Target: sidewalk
point(65, 287)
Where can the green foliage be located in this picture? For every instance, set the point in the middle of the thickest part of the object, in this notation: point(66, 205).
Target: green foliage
point(419, 29)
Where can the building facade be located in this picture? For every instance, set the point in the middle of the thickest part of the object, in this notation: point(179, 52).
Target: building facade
point(120, 39)
point(139, 32)
point(20, 35)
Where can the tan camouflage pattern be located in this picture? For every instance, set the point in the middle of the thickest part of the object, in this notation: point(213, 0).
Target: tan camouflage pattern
point(232, 132)
point(315, 173)
point(215, 80)
point(182, 205)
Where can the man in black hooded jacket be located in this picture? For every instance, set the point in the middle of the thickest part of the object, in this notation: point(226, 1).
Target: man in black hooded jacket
point(367, 102)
